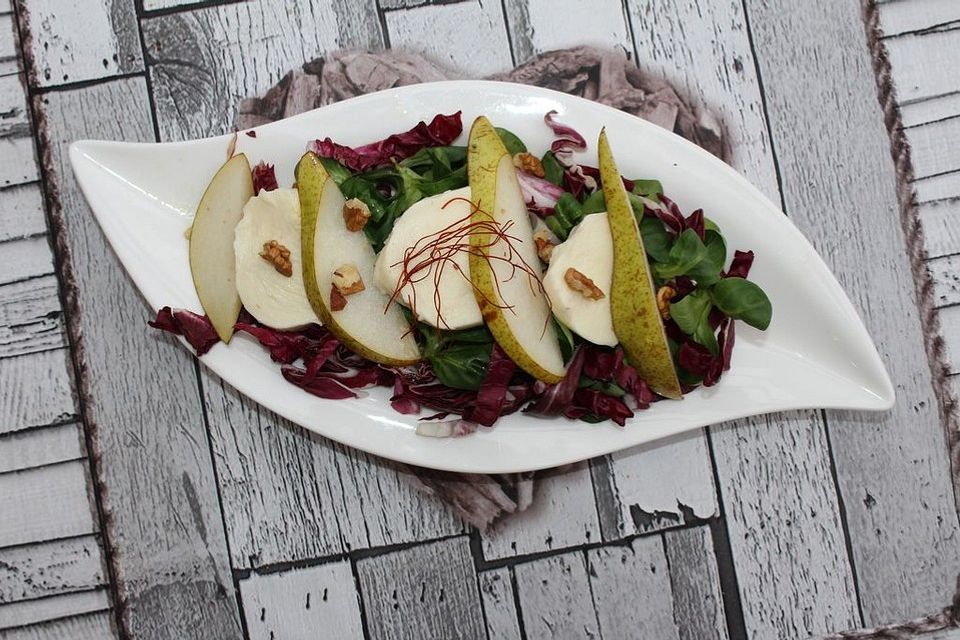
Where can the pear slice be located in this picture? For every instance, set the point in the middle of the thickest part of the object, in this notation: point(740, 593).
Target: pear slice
point(369, 324)
point(212, 259)
point(512, 301)
point(633, 304)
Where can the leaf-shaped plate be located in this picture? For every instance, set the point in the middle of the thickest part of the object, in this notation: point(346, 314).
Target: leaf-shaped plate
point(816, 352)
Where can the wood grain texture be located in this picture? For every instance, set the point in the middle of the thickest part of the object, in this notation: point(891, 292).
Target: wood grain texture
point(477, 29)
point(21, 212)
point(202, 63)
point(950, 330)
point(695, 584)
point(541, 25)
point(303, 603)
point(931, 151)
point(28, 612)
point(24, 259)
point(563, 514)
point(14, 117)
point(9, 63)
point(892, 468)
point(924, 65)
point(941, 227)
point(499, 606)
point(42, 446)
point(945, 272)
point(917, 15)
point(175, 576)
point(18, 164)
point(427, 591)
point(50, 568)
point(937, 188)
point(91, 626)
point(930, 110)
point(291, 495)
point(36, 390)
point(554, 598)
point(75, 42)
point(45, 503)
point(31, 318)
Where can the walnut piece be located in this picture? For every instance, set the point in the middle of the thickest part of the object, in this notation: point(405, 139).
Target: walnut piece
point(347, 280)
point(279, 256)
point(665, 294)
point(337, 301)
point(582, 284)
point(544, 245)
point(356, 214)
point(529, 163)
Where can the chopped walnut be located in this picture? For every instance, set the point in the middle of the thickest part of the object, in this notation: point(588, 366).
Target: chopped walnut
point(347, 280)
point(337, 301)
point(279, 256)
point(544, 245)
point(582, 284)
point(356, 213)
point(529, 163)
point(665, 294)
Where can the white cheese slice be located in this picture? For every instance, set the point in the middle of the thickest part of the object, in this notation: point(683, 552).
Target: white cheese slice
point(589, 250)
point(272, 298)
point(451, 290)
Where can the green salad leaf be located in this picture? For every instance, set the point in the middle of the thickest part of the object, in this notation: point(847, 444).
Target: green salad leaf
point(743, 300)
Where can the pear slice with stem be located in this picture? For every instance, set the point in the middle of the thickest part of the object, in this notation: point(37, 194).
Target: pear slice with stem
point(212, 258)
point(633, 304)
point(368, 323)
point(504, 268)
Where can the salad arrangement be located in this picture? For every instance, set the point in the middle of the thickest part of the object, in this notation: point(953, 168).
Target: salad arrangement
point(475, 281)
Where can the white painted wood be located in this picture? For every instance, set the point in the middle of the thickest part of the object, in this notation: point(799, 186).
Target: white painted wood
point(695, 584)
point(631, 590)
point(427, 591)
point(205, 61)
point(35, 390)
point(946, 634)
point(23, 259)
point(563, 514)
point(335, 501)
point(929, 110)
point(50, 568)
point(31, 319)
point(924, 65)
point(945, 272)
point(917, 15)
point(467, 37)
point(29, 612)
point(17, 161)
point(787, 542)
point(542, 25)
point(499, 608)
point(941, 227)
point(944, 187)
point(41, 446)
point(897, 458)
point(8, 45)
point(14, 118)
point(21, 212)
point(74, 42)
point(932, 153)
point(950, 331)
point(153, 5)
point(554, 598)
point(155, 455)
point(90, 626)
point(306, 603)
point(45, 503)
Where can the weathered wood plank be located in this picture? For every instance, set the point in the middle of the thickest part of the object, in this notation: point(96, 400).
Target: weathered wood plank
point(50, 568)
point(45, 503)
point(695, 584)
point(787, 544)
point(499, 607)
point(21, 212)
point(474, 40)
point(541, 25)
point(75, 42)
point(36, 390)
point(153, 5)
point(14, 119)
point(563, 514)
point(943, 187)
point(18, 164)
point(554, 598)
point(24, 259)
point(154, 449)
point(946, 634)
point(338, 499)
point(426, 591)
point(950, 330)
point(8, 45)
point(892, 468)
point(303, 603)
point(39, 447)
point(931, 151)
point(29, 612)
point(945, 272)
point(90, 626)
point(930, 110)
point(917, 15)
point(31, 319)
point(941, 227)
point(923, 64)
point(204, 62)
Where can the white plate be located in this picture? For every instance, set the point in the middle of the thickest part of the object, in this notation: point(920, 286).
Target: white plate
point(816, 352)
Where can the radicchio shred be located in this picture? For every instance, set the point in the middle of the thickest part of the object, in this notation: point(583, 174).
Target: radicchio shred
point(264, 178)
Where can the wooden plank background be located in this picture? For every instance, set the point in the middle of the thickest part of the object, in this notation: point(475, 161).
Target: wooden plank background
point(227, 521)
